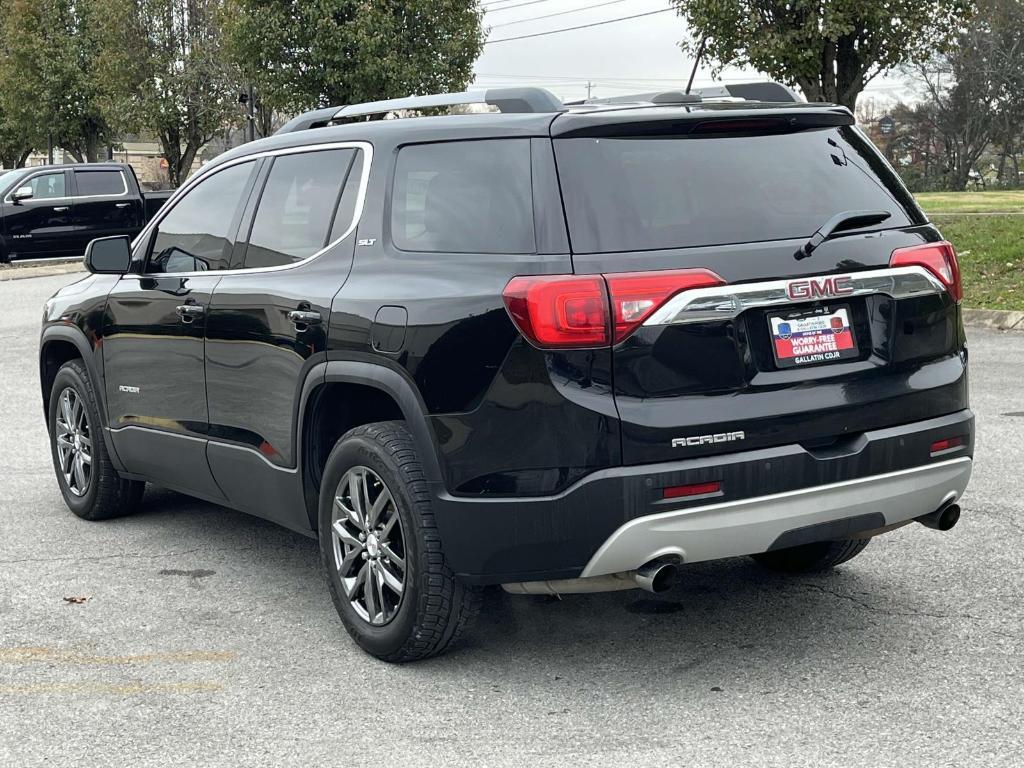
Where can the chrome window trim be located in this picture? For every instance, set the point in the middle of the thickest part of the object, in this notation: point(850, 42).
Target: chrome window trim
point(45, 200)
point(726, 302)
point(122, 193)
point(112, 195)
point(364, 180)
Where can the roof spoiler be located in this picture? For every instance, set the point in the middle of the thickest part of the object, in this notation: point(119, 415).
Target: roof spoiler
point(508, 100)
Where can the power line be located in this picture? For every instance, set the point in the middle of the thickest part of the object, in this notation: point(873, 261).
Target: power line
point(510, 7)
point(560, 13)
point(581, 26)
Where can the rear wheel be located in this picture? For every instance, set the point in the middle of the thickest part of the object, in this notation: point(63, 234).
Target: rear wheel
point(812, 558)
point(88, 481)
point(380, 547)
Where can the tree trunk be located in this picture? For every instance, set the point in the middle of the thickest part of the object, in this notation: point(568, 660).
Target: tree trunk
point(188, 156)
point(92, 147)
point(172, 154)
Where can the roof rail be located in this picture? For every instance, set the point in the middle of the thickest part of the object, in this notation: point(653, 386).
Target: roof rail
point(757, 91)
point(510, 100)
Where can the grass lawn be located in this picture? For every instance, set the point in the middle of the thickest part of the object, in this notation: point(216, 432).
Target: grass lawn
point(1001, 201)
point(991, 247)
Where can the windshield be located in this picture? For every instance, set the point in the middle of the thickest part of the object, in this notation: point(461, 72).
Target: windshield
point(6, 179)
point(633, 194)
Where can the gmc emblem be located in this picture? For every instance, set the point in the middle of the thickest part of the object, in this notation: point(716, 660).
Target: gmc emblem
point(819, 288)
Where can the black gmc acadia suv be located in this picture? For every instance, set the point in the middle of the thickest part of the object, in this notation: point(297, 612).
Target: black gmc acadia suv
point(561, 348)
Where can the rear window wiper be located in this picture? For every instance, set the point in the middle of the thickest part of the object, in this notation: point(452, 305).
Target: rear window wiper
point(840, 223)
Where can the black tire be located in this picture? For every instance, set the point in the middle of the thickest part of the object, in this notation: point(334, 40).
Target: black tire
point(812, 558)
point(106, 495)
point(435, 608)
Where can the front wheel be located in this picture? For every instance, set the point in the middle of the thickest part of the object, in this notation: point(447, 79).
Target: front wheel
point(812, 558)
point(381, 550)
point(88, 481)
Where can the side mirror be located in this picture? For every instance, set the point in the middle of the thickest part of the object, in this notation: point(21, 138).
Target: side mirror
point(109, 255)
point(22, 193)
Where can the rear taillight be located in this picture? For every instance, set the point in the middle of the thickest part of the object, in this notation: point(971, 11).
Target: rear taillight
point(579, 311)
point(635, 296)
point(937, 258)
point(560, 311)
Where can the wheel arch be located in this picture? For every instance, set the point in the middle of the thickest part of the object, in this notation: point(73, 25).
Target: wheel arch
point(339, 395)
point(58, 345)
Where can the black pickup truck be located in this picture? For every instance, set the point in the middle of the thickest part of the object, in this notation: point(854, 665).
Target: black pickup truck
point(55, 210)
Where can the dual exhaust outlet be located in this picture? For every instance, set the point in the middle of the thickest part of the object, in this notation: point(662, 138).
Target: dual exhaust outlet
point(658, 575)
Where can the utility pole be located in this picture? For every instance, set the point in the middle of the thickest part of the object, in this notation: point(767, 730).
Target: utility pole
point(252, 119)
point(589, 86)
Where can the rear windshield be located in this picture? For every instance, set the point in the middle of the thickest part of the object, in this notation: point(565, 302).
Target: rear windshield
point(638, 194)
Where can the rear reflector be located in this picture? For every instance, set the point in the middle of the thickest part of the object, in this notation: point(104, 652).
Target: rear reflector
point(944, 445)
point(937, 258)
point(694, 489)
point(581, 311)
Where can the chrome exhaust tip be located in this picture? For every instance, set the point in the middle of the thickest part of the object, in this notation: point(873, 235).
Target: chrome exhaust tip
point(657, 575)
point(942, 519)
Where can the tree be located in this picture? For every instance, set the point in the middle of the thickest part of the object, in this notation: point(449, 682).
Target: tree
point(48, 74)
point(14, 146)
point(301, 54)
point(973, 91)
point(830, 49)
point(166, 72)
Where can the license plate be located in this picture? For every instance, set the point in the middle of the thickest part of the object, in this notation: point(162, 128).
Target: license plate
point(811, 338)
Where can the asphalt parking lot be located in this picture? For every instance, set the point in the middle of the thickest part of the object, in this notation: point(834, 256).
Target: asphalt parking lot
point(208, 637)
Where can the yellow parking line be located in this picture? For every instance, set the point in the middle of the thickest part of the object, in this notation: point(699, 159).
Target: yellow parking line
point(33, 655)
point(120, 689)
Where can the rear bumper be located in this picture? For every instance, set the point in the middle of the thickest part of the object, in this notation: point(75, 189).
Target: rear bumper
point(835, 511)
point(612, 517)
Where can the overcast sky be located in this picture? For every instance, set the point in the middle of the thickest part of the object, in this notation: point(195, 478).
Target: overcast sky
point(630, 56)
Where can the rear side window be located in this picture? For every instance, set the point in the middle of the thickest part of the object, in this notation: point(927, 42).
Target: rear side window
point(196, 235)
point(300, 202)
point(632, 194)
point(464, 197)
point(91, 183)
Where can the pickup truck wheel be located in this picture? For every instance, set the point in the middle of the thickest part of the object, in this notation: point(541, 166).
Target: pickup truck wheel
point(380, 547)
point(88, 481)
point(812, 558)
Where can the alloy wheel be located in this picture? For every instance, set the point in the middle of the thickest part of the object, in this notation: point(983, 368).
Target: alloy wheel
point(369, 546)
point(74, 442)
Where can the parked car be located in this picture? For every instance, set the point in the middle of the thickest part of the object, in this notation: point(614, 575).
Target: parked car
point(560, 349)
point(55, 210)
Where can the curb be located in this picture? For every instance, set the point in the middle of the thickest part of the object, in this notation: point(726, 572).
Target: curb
point(994, 319)
point(18, 272)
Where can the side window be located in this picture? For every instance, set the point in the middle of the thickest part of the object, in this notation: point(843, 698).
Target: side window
point(48, 185)
point(296, 214)
point(196, 235)
point(92, 183)
point(464, 197)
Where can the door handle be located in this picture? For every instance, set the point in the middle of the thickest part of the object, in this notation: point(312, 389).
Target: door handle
point(189, 312)
point(62, 209)
point(122, 205)
point(303, 318)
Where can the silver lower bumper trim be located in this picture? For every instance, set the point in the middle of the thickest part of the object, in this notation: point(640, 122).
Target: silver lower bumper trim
point(744, 527)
